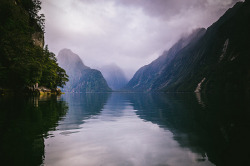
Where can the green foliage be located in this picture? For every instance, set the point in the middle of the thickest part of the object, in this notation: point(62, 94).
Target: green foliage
point(33, 7)
point(52, 75)
point(22, 63)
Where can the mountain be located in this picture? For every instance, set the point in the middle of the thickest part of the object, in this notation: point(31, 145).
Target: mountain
point(24, 61)
point(145, 77)
point(217, 61)
point(114, 76)
point(81, 78)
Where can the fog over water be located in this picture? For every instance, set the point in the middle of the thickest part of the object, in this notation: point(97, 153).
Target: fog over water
point(129, 33)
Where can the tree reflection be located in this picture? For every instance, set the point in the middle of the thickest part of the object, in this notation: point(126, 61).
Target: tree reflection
point(24, 122)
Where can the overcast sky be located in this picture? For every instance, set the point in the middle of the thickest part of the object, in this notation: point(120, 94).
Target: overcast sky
point(129, 33)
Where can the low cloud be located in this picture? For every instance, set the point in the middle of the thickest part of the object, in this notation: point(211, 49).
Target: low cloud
point(130, 33)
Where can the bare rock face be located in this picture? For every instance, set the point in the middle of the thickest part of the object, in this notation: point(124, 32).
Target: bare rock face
point(38, 39)
point(81, 78)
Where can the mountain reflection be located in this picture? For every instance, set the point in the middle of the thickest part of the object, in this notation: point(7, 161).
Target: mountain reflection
point(82, 106)
point(24, 122)
point(125, 129)
point(214, 126)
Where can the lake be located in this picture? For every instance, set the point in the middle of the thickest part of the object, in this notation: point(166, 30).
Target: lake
point(125, 129)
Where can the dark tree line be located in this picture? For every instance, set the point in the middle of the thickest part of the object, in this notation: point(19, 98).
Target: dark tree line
point(22, 62)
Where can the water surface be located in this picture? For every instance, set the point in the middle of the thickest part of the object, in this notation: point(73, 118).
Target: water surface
point(126, 129)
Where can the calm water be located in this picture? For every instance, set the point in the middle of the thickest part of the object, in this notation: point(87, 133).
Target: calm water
point(125, 129)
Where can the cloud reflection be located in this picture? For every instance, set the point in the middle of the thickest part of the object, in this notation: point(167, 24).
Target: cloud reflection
point(122, 139)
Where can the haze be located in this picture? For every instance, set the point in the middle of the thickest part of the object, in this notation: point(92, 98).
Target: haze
point(129, 33)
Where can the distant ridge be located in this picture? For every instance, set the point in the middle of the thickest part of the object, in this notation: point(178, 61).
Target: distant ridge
point(114, 76)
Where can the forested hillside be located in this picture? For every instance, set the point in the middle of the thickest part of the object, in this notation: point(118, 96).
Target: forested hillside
point(24, 61)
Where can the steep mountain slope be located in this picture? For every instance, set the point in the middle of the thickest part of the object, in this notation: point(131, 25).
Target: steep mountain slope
point(218, 62)
point(144, 78)
point(114, 76)
point(81, 78)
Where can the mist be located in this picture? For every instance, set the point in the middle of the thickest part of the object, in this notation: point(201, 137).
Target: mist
point(129, 33)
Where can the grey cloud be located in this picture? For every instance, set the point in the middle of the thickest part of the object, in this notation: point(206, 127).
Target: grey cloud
point(130, 33)
point(170, 8)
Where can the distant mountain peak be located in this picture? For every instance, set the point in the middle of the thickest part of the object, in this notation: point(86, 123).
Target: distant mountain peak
point(69, 59)
point(68, 53)
point(81, 78)
point(114, 76)
point(65, 50)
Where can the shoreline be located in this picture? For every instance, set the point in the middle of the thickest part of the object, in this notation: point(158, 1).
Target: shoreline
point(30, 92)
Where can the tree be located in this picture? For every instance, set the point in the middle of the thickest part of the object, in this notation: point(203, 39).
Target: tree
point(22, 63)
point(52, 75)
